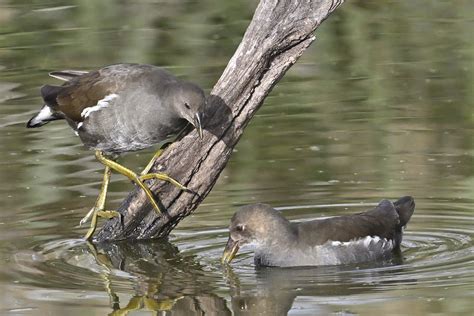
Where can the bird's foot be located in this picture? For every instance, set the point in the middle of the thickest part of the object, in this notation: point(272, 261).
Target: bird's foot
point(101, 213)
point(94, 214)
point(108, 214)
point(88, 216)
point(113, 165)
point(111, 214)
point(140, 179)
point(151, 162)
point(163, 177)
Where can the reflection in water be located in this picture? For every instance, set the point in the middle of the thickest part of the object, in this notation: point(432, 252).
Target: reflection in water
point(277, 288)
point(375, 108)
point(165, 280)
point(156, 276)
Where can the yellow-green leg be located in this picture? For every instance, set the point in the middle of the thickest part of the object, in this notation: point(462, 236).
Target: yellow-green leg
point(139, 179)
point(129, 174)
point(100, 202)
point(162, 177)
point(99, 208)
point(145, 175)
point(152, 161)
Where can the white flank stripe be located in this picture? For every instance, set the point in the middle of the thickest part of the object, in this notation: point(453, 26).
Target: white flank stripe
point(100, 105)
point(79, 125)
point(365, 242)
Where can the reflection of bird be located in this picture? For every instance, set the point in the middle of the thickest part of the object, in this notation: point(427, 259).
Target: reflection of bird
point(363, 237)
point(163, 279)
point(122, 108)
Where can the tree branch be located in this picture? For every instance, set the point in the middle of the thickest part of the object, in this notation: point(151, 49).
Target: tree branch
point(277, 36)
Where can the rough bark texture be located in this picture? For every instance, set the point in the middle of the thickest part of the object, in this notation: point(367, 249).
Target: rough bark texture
point(277, 36)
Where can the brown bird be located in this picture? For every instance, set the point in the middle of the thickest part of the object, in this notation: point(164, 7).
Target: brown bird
point(122, 108)
point(362, 237)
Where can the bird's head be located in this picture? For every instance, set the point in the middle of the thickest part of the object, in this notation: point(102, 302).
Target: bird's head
point(190, 102)
point(259, 225)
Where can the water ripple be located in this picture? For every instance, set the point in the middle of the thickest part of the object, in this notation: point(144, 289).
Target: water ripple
point(189, 263)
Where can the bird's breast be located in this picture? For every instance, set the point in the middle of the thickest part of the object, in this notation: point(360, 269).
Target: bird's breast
point(115, 125)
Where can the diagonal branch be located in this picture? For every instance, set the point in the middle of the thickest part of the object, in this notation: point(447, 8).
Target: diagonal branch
point(277, 36)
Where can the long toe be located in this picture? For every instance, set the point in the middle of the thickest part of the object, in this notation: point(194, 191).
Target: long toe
point(86, 218)
point(163, 177)
point(108, 214)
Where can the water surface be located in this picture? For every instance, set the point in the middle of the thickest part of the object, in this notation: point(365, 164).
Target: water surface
point(379, 107)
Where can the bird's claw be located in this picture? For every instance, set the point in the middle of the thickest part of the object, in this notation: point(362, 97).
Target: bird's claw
point(88, 216)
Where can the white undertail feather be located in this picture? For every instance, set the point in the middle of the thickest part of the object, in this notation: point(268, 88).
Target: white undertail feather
point(100, 105)
point(44, 114)
point(66, 75)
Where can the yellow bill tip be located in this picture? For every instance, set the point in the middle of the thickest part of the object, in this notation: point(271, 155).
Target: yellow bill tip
point(230, 251)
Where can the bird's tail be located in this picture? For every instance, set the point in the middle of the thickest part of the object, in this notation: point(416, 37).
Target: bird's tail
point(405, 207)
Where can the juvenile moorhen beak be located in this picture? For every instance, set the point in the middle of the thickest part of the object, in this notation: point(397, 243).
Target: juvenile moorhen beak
point(197, 124)
point(230, 250)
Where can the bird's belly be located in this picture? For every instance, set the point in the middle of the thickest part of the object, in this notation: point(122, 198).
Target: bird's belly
point(112, 135)
point(114, 143)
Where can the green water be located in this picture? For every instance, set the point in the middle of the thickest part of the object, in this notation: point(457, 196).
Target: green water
point(381, 106)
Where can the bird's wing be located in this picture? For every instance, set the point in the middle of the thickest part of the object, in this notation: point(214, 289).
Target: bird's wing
point(381, 221)
point(79, 93)
point(67, 75)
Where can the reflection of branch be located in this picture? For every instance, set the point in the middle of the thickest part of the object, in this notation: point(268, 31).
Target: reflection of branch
point(278, 35)
point(137, 302)
point(162, 275)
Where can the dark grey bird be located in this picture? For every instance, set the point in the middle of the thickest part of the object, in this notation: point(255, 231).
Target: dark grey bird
point(122, 108)
point(363, 237)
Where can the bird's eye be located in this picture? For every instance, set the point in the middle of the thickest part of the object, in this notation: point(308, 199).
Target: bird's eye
point(187, 106)
point(239, 228)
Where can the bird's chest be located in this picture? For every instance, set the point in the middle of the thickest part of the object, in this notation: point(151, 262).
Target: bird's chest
point(122, 129)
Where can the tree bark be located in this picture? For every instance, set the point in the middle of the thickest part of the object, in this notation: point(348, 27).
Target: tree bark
point(277, 36)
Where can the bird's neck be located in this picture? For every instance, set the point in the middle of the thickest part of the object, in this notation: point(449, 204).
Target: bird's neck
point(280, 244)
